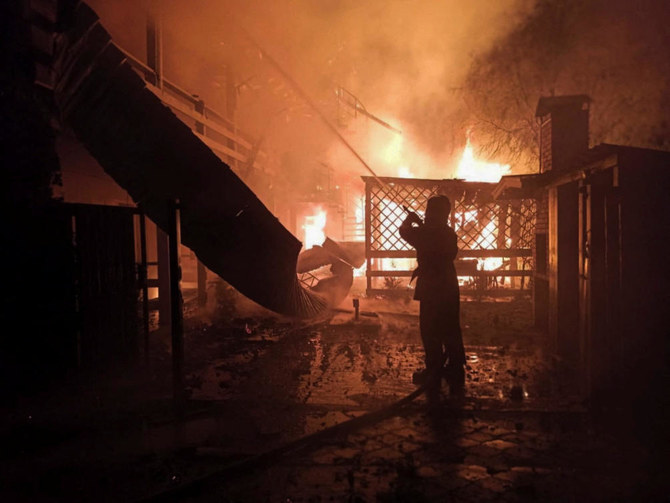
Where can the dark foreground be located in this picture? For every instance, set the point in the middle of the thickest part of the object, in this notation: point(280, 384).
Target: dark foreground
point(258, 382)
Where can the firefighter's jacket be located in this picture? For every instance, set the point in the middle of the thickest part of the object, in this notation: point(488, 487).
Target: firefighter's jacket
point(436, 248)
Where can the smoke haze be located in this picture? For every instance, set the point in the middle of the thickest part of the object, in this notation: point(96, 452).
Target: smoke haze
point(403, 60)
point(435, 70)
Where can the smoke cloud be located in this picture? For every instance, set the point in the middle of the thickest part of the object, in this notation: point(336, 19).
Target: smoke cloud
point(432, 69)
point(404, 60)
point(615, 51)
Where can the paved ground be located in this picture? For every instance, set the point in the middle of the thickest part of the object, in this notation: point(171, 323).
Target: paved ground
point(258, 382)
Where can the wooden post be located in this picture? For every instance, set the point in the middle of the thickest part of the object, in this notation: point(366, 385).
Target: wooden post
point(616, 357)
point(515, 239)
point(163, 256)
point(76, 279)
point(176, 304)
point(368, 235)
point(503, 210)
point(501, 241)
point(540, 263)
point(584, 241)
point(154, 45)
point(231, 105)
point(144, 274)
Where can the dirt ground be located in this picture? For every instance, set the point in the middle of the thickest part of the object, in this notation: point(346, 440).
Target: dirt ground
point(257, 382)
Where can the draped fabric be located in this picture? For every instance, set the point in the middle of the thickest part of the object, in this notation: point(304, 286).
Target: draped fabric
point(149, 152)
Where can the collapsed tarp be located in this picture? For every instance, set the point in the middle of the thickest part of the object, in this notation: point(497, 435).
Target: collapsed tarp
point(351, 253)
point(156, 158)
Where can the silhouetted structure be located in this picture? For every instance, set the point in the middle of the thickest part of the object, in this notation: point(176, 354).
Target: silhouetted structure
point(602, 277)
point(129, 143)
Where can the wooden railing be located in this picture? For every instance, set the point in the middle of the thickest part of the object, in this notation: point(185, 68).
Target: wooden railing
point(485, 228)
point(235, 148)
point(218, 133)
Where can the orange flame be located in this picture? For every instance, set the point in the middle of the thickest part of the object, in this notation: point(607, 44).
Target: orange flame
point(474, 170)
point(314, 228)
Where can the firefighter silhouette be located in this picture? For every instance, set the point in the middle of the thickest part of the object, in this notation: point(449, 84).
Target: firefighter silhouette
point(437, 292)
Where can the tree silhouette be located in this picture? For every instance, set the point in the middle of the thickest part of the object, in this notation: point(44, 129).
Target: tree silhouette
point(615, 51)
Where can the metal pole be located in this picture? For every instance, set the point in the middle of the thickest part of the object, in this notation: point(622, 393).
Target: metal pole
point(176, 305)
point(145, 285)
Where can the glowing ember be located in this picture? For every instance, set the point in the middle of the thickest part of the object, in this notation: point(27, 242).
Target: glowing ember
point(474, 170)
point(313, 227)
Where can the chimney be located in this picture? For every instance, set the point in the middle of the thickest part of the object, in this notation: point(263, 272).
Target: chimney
point(564, 130)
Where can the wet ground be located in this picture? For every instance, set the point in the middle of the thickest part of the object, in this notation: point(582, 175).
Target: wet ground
point(257, 382)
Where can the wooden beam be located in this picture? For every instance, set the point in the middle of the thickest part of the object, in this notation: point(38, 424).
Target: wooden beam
point(512, 252)
point(407, 274)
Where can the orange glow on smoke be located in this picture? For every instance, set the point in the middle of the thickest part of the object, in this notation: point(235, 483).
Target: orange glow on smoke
point(359, 211)
point(474, 170)
point(392, 152)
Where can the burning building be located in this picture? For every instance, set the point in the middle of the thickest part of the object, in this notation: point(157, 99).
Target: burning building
point(162, 188)
point(579, 235)
point(109, 251)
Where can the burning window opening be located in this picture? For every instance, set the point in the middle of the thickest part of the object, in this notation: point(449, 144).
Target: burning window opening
point(314, 228)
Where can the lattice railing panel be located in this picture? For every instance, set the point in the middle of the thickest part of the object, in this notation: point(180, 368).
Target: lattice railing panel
point(527, 215)
point(387, 213)
point(498, 234)
point(477, 226)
